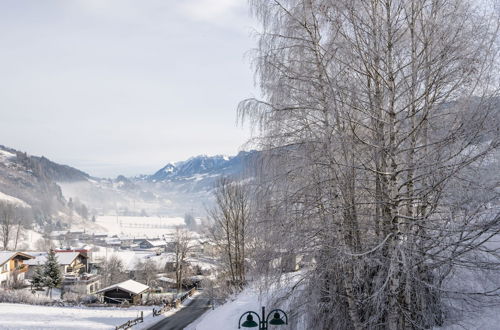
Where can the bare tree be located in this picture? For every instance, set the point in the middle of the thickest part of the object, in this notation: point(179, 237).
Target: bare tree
point(182, 247)
point(113, 271)
point(146, 271)
point(6, 223)
point(231, 216)
point(44, 244)
point(377, 114)
point(13, 219)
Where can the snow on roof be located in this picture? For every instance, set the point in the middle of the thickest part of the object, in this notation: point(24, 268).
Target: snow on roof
point(66, 258)
point(56, 233)
point(7, 255)
point(63, 258)
point(166, 279)
point(130, 286)
point(155, 242)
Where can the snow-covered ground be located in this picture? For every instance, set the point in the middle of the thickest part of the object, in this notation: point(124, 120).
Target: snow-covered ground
point(139, 226)
point(13, 200)
point(226, 316)
point(131, 258)
point(28, 239)
point(22, 316)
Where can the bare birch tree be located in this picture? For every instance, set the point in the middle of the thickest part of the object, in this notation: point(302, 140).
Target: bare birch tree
point(376, 116)
point(231, 217)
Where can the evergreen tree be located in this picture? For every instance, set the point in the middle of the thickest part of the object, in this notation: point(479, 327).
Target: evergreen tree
point(51, 272)
point(38, 281)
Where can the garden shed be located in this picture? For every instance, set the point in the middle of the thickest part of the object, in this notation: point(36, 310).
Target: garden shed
point(128, 291)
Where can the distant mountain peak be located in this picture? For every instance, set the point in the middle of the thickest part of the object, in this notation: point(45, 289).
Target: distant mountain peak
point(201, 165)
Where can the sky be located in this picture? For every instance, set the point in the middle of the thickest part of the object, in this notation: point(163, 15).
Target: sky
point(124, 86)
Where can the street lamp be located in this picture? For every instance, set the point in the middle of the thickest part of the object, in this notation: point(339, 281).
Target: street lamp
point(264, 320)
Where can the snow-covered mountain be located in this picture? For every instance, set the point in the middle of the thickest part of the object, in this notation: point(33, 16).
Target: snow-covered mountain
point(31, 182)
point(173, 190)
point(200, 167)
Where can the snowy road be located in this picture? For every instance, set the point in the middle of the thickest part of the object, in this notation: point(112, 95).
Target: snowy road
point(185, 316)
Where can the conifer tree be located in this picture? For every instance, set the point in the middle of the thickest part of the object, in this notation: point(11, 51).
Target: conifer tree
point(51, 272)
point(38, 281)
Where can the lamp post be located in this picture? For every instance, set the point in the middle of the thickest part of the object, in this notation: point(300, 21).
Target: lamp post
point(264, 320)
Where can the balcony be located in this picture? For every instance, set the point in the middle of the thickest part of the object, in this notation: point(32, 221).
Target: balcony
point(73, 279)
point(22, 268)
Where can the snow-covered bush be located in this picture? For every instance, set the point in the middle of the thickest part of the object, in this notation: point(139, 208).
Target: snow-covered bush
point(78, 298)
point(21, 296)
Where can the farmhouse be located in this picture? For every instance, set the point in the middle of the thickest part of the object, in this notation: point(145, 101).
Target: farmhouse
point(12, 266)
point(128, 291)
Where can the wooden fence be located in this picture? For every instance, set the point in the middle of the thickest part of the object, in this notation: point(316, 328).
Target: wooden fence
point(131, 323)
point(174, 304)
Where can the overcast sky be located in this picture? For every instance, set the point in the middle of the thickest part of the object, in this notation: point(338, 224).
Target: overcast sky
point(123, 86)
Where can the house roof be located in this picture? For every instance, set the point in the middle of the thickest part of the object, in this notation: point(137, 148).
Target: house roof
point(58, 233)
point(63, 258)
point(130, 286)
point(166, 279)
point(7, 255)
point(155, 242)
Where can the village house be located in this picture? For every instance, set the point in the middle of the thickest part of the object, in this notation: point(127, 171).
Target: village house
point(59, 235)
point(74, 268)
point(76, 233)
point(98, 238)
point(113, 242)
point(69, 262)
point(128, 291)
point(89, 283)
point(12, 267)
point(152, 244)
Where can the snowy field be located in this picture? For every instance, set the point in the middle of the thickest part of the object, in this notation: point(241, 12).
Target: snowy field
point(138, 226)
point(21, 316)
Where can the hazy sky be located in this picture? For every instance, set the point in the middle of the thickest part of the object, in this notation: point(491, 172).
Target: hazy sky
point(123, 86)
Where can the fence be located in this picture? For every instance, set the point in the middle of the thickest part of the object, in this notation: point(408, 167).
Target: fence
point(131, 323)
point(174, 304)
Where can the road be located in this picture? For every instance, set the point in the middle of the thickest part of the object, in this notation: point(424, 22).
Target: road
point(183, 317)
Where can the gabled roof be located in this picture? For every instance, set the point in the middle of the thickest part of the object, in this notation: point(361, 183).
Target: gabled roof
point(166, 279)
point(130, 286)
point(7, 255)
point(155, 242)
point(63, 258)
point(56, 233)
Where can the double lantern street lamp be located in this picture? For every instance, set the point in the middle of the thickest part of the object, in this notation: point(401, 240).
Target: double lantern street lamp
point(264, 320)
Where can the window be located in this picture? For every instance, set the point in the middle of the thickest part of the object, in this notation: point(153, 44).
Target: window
point(5, 266)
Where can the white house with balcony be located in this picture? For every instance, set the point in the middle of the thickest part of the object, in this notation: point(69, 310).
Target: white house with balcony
point(13, 267)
